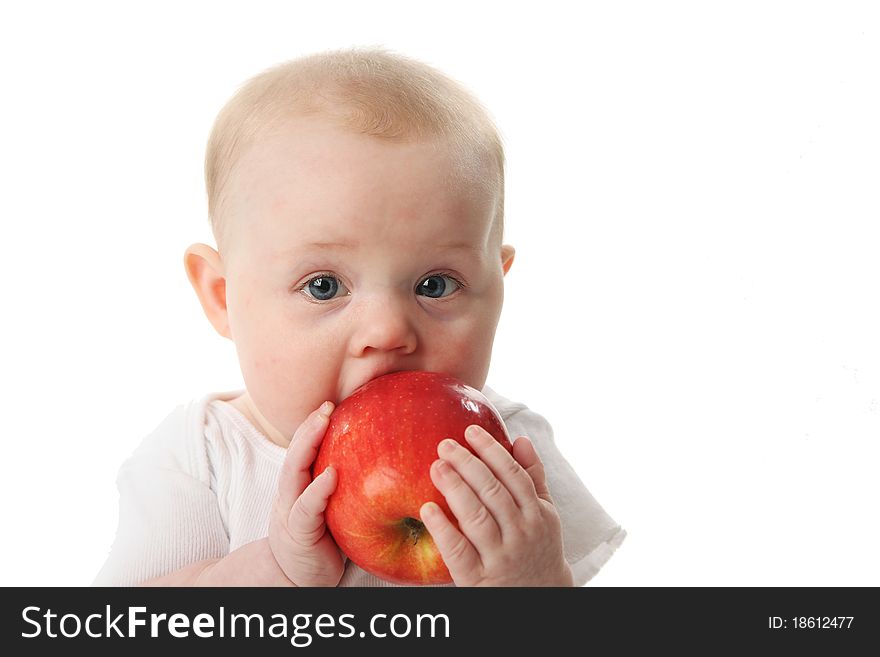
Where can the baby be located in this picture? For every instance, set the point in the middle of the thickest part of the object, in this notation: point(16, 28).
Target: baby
point(356, 198)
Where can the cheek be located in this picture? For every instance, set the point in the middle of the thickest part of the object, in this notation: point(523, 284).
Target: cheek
point(465, 348)
point(290, 367)
point(266, 363)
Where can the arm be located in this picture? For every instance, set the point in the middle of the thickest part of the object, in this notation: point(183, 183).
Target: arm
point(589, 534)
point(298, 550)
point(159, 508)
point(250, 565)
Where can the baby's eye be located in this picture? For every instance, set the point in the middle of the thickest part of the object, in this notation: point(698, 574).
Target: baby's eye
point(436, 286)
point(324, 288)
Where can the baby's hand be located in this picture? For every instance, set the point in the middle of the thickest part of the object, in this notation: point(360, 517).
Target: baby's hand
point(509, 531)
point(298, 537)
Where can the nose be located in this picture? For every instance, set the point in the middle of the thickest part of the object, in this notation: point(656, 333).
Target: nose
point(384, 324)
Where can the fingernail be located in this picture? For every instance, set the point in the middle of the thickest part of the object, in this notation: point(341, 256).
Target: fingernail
point(447, 445)
point(476, 434)
point(326, 408)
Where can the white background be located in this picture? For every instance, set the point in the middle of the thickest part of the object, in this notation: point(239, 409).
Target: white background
point(692, 191)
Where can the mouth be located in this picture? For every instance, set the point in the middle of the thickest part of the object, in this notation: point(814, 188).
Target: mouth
point(372, 374)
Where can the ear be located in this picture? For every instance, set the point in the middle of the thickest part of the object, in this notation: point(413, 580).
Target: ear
point(507, 255)
point(204, 268)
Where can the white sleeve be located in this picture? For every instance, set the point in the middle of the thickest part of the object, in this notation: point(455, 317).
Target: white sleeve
point(590, 536)
point(168, 514)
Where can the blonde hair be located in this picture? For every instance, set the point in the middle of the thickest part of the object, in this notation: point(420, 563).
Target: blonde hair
point(368, 90)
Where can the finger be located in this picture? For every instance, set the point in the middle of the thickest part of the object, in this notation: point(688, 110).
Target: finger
point(526, 455)
point(488, 488)
point(301, 452)
point(458, 554)
point(474, 519)
point(306, 520)
point(503, 466)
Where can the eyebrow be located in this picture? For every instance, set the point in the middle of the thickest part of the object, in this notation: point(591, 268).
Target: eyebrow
point(462, 246)
point(458, 245)
point(330, 245)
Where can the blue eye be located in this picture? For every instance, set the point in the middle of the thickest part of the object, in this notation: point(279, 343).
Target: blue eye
point(323, 287)
point(437, 286)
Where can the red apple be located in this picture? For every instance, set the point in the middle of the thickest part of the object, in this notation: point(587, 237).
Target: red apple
point(382, 440)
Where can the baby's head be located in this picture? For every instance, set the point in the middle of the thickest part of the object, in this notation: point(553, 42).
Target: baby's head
point(356, 198)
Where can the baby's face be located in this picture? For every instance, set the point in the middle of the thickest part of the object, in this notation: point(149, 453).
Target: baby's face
point(350, 257)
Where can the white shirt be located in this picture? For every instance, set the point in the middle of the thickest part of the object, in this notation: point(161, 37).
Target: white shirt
point(202, 484)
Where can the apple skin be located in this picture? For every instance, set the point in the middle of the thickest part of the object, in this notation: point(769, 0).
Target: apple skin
point(382, 440)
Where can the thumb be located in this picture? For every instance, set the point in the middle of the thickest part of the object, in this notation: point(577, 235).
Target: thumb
point(525, 454)
point(301, 453)
point(306, 520)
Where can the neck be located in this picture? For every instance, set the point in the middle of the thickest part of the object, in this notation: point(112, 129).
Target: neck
point(246, 407)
